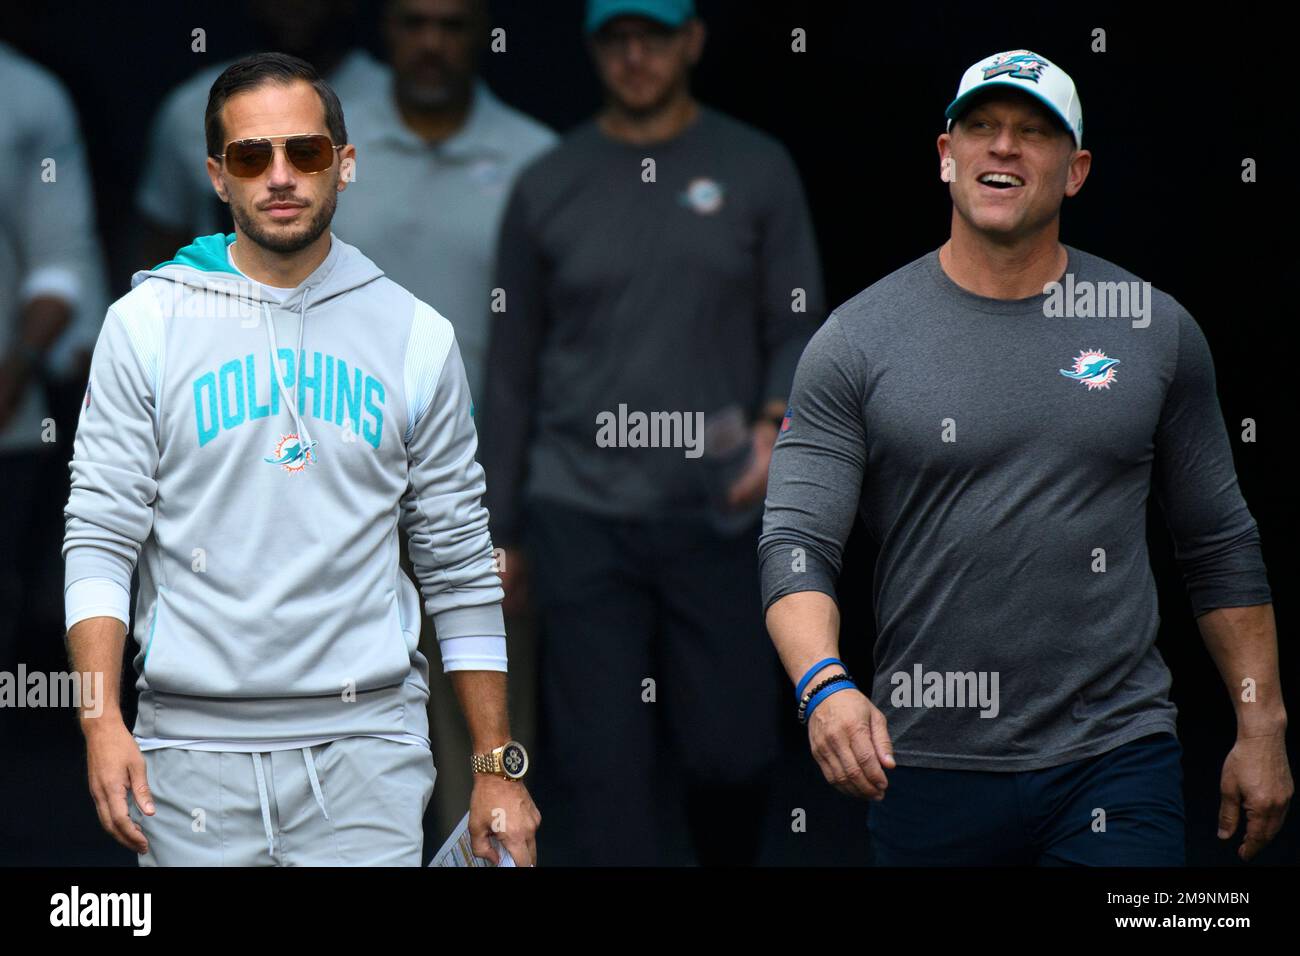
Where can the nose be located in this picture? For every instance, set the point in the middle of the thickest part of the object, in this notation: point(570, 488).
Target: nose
point(280, 174)
point(434, 40)
point(1005, 142)
point(429, 37)
point(634, 49)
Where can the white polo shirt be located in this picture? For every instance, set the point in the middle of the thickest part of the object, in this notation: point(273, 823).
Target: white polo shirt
point(427, 213)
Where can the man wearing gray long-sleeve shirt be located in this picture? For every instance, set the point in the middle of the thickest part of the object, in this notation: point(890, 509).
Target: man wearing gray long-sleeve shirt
point(659, 275)
point(999, 425)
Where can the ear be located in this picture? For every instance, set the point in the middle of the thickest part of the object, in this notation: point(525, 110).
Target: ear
point(347, 166)
point(695, 37)
point(218, 183)
point(1080, 166)
point(947, 163)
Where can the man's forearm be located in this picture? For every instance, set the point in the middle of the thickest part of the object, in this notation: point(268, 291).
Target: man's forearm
point(482, 696)
point(1243, 643)
point(95, 646)
point(44, 319)
point(773, 409)
point(805, 627)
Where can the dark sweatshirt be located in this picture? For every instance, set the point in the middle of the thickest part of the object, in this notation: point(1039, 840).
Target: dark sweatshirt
point(677, 295)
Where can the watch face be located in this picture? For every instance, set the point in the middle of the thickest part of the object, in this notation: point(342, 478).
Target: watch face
point(514, 760)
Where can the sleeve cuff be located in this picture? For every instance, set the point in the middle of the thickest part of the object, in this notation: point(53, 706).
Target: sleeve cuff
point(59, 281)
point(82, 561)
point(472, 621)
point(474, 653)
point(97, 597)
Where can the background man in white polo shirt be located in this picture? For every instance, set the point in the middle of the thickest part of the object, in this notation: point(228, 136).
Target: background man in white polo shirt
point(438, 154)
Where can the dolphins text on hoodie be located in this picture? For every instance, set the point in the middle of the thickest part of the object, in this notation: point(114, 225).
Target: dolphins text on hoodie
point(256, 458)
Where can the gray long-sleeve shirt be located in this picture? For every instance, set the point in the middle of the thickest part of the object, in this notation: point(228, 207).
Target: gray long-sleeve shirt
point(687, 294)
point(1003, 464)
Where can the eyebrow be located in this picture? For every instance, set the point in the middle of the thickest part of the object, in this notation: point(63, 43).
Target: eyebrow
point(1035, 118)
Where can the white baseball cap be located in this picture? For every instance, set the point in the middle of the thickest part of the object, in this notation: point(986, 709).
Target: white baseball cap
point(1030, 73)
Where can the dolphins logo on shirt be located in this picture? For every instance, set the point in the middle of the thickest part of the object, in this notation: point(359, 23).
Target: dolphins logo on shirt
point(291, 455)
point(1093, 368)
point(704, 195)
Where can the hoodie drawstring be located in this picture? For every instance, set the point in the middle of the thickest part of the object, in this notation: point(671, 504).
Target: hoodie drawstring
point(304, 439)
point(264, 799)
point(303, 436)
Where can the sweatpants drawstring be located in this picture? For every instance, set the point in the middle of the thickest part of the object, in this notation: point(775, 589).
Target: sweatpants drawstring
point(266, 806)
point(315, 783)
point(266, 803)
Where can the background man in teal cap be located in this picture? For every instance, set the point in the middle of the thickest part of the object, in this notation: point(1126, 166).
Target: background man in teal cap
point(659, 261)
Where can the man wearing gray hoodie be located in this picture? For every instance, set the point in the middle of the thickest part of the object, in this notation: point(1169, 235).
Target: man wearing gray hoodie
point(257, 471)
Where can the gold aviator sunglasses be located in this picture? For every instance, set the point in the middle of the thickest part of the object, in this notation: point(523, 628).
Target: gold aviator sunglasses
point(309, 152)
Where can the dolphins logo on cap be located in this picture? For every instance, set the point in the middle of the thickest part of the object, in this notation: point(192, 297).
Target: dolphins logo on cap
point(1020, 64)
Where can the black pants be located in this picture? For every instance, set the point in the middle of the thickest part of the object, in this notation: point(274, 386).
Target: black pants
point(28, 556)
point(660, 692)
point(1123, 807)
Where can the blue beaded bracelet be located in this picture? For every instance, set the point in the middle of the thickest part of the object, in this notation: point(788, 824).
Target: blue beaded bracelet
point(803, 682)
point(822, 695)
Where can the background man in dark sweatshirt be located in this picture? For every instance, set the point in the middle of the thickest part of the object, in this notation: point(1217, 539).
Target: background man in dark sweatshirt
point(1001, 447)
point(658, 272)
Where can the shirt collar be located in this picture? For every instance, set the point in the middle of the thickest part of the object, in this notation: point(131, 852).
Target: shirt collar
point(476, 138)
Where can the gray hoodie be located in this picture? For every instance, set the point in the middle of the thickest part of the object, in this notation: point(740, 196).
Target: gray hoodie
point(263, 508)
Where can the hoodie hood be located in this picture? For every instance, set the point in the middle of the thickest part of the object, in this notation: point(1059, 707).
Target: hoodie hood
point(204, 254)
point(205, 265)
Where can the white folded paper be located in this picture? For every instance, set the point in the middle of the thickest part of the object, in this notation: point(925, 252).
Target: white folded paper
point(456, 851)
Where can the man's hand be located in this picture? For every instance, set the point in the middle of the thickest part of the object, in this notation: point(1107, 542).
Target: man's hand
point(514, 580)
point(506, 806)
point(1255, 776)
point(116, 769)
point(751, 485)
point(851, 744)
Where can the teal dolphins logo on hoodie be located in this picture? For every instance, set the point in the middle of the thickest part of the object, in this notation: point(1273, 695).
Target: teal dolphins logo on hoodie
point(291, 454)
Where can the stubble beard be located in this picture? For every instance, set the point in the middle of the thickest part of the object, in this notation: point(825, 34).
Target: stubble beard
point(282, 241)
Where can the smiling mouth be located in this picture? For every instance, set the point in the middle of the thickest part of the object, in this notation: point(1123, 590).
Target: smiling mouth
point(1001, 180)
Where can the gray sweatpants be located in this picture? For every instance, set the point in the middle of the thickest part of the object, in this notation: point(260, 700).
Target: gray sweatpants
point(358, 801)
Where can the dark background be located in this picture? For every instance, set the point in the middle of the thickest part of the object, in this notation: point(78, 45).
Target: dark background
point(1171, 109)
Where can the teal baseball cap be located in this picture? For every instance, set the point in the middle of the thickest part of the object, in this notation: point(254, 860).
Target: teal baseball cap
point(671, 12)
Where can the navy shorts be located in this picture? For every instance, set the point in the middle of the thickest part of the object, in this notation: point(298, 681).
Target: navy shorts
point(1120, 808)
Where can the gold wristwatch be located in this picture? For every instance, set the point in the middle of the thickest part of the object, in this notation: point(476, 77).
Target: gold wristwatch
point(510, 761)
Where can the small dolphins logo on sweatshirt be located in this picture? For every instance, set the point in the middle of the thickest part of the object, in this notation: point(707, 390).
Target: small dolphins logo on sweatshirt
point(1093, 369)
point(704, 195)
point(291, 455)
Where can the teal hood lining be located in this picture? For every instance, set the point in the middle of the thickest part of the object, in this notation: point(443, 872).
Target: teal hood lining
point(205, 253)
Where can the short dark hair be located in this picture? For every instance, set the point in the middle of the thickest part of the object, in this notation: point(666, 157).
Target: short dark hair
point(254, 71)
